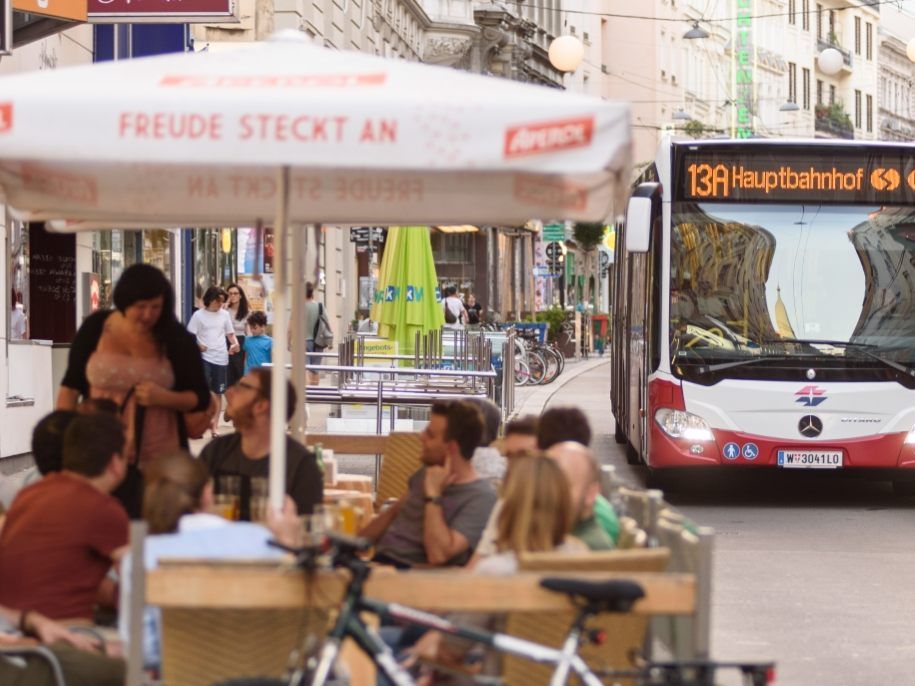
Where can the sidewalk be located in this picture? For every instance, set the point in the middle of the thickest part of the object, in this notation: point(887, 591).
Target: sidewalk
point(534, 399)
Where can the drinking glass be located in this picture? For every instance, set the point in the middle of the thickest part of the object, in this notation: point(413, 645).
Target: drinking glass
point(314, 528)
point(347, 511)
point(227, 495)
point(258, 505)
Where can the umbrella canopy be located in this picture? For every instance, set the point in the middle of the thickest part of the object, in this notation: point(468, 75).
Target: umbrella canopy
point(295, 132)
point(191, 139)
point(405, 297)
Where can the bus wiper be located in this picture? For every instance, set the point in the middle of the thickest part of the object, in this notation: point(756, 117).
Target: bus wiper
point(860, 347)
point(821, 341)
point(892, 364)
point(721, 366)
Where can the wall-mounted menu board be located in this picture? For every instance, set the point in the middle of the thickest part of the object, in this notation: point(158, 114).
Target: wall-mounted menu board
point(52, 284)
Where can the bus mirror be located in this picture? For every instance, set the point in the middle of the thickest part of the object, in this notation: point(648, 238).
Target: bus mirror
point(638, 224)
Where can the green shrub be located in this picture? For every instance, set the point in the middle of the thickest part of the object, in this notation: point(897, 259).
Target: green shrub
point(554, 318)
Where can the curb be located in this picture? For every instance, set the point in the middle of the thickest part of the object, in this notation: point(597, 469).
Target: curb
point(540, 398)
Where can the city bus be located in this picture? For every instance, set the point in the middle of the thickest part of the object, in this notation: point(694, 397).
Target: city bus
point(764, 308)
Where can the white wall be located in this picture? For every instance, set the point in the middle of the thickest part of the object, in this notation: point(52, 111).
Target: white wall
point(26, 368)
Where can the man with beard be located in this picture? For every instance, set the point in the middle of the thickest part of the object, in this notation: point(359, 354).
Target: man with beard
point(439, 520)
point(246, 453)
point(583, 474)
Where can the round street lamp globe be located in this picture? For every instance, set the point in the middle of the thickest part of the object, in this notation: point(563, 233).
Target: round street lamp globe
point(566, 53)
point(830, 61)
point(910, 49)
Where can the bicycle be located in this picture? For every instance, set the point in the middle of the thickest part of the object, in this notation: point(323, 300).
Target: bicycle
point(591, 597)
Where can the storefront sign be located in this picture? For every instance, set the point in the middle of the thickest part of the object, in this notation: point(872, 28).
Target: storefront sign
point(71, 10)
point(159, 11)
point(6, 27)
point(268, 250)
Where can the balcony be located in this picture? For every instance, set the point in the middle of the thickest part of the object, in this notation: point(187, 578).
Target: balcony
point(833, 43)
point(832, 121)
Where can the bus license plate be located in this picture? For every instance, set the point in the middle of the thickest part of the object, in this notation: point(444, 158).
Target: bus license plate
point(810, 459)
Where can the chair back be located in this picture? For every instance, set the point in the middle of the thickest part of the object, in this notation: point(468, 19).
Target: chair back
point(625, 633)
point(201, 647)
point(399, 462)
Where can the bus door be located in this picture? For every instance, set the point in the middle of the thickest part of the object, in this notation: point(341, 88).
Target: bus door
point(643, 243)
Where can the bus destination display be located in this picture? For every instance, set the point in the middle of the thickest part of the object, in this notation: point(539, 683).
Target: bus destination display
point(784, 174)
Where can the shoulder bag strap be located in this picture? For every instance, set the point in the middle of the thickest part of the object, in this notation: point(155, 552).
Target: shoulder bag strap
point(138, 416)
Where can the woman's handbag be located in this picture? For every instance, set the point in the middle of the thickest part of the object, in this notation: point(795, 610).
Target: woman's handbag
point(196, 424)
point(323, 334)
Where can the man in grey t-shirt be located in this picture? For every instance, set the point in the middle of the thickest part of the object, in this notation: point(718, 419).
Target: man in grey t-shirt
point(440, 519)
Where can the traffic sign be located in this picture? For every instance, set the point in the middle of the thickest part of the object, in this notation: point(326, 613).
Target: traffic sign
point(553, 232)
point(363, 234)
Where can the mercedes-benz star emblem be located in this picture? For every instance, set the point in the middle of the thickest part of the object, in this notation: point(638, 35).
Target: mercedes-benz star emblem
point(810, 426)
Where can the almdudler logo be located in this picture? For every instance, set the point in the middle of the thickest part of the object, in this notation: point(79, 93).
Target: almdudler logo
point(6, 117)
point(548, 136)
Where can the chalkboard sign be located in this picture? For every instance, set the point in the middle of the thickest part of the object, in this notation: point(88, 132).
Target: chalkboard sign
point(52, 284)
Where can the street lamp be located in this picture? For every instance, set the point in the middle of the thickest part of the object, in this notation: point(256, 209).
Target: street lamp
point(681, 115)
point(695, 32)
point(566, 53)
point(789, 106)
point(830, 61)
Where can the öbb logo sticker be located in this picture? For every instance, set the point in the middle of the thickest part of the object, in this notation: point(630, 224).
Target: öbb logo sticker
point(6, 117)
point(548, 136)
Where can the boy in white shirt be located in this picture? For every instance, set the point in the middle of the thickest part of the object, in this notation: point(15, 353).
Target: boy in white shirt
point(212, 326)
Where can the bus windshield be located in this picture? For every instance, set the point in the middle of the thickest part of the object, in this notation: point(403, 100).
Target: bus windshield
point(791, 282)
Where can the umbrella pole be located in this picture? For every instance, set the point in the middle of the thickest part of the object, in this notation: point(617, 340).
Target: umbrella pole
point(280, 354)
point(299, 375)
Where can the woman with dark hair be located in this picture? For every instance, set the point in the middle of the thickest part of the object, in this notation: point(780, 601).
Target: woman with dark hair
point(237, 307)
point(139, 356)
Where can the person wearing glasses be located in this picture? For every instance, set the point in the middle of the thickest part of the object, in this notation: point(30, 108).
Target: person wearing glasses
point(246, 453)
point(237, 307)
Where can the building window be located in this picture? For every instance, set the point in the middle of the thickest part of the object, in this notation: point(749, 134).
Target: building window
point(819, 91)
point(792, 13)
point(832, 94)
point(805, 16)
point(805, 73)
point(857, 109)
point(857, 35)
point(869, 40)
point(819, 20)
point(870, 113)
point(792, 82)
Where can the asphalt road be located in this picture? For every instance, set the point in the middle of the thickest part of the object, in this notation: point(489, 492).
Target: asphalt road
point(815, 571)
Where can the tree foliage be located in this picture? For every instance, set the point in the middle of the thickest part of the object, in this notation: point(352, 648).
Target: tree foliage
point(588, 235)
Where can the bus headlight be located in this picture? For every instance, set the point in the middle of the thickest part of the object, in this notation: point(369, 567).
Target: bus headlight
point(683, 425)
point(910, 438)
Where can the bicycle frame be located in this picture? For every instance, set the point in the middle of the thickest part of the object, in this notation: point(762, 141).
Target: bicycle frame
point(350, 624)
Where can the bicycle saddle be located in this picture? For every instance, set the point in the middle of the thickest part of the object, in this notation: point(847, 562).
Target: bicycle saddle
point(612, 596)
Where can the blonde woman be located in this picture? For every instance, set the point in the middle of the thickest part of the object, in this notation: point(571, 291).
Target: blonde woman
point(536, 515)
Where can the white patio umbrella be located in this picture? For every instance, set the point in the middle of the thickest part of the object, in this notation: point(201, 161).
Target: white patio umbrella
point(292, 132)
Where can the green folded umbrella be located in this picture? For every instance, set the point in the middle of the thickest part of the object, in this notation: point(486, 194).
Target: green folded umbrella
point(406, 295)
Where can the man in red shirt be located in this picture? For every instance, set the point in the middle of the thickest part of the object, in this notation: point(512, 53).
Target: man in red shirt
point(63, 534)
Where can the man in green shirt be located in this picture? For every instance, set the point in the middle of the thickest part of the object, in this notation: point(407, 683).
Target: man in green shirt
point(583, 474)
point(559, 424)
